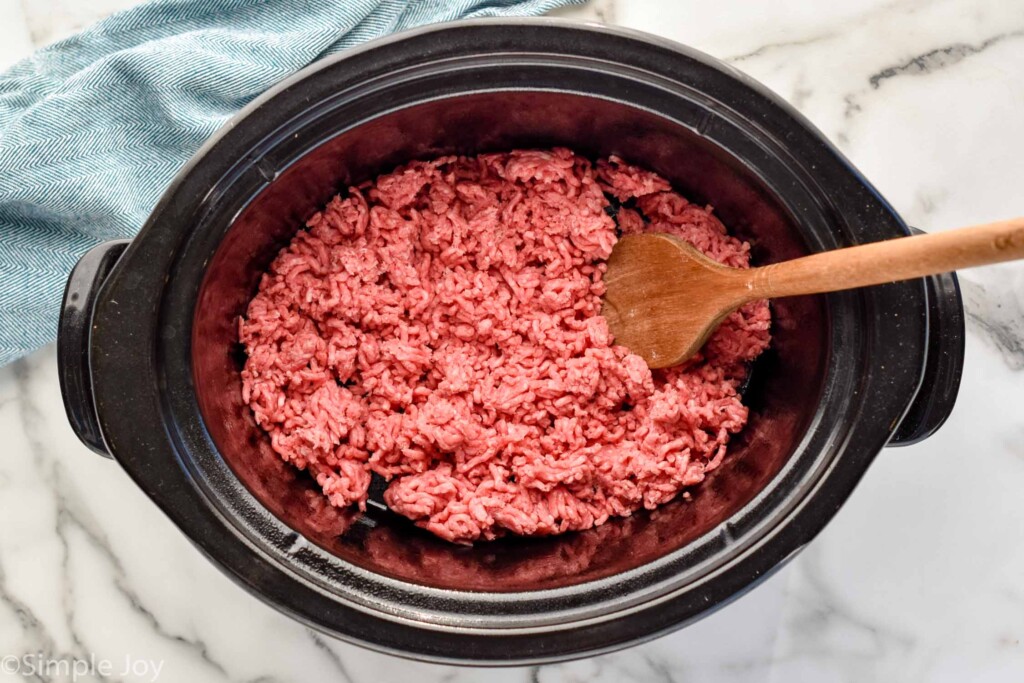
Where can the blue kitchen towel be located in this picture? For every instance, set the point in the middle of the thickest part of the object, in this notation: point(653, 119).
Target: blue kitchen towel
point(93, 128)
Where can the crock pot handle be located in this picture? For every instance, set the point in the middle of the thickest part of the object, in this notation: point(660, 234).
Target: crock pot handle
point(73, 341)
point(943, 365)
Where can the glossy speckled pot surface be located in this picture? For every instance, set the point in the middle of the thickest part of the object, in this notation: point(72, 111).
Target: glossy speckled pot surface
point(150, 361)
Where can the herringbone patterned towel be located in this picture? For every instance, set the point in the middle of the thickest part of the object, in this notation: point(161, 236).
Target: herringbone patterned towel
point(93, 128)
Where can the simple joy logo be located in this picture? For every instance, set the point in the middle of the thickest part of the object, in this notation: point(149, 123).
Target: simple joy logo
point(41, 666)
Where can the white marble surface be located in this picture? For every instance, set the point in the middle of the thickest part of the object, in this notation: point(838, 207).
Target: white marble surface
point(917, 579)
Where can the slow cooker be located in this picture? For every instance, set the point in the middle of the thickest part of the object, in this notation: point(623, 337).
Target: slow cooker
point(150, 360)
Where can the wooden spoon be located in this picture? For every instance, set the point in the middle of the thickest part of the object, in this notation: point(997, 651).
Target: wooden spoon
point(664, 298)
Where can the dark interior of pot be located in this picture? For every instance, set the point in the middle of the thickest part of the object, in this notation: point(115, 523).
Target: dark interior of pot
point(782, 394)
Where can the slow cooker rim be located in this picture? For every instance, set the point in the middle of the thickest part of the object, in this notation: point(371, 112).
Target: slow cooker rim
point(121, 279)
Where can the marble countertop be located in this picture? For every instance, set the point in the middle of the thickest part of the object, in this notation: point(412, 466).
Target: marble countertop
point(919, 577)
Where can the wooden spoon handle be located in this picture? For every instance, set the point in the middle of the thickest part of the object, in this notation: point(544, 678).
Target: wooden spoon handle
point(902, 258)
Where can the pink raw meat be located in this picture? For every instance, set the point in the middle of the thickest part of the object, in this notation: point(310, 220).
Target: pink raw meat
point(441, 327)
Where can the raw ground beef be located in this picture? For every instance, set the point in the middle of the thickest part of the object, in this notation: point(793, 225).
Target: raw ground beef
point(441, 327)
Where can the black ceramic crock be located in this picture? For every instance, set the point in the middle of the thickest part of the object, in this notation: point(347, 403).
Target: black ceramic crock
point(149, 360)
